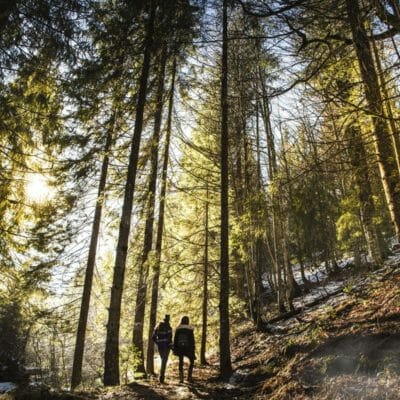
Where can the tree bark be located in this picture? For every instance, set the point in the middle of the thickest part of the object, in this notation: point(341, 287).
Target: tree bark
point(53, 362)
point(6, 9)
point(111, 357)
point(272, 168)
point(76, 376)
point(203, 360)
point(259, 243)
point(387, 102)
point(160, 229)
point(248, 226)
point(265, 111)
point(386, 160)
point(358, 160)
point(296, 229)
point(224, 338)
point(140, 308)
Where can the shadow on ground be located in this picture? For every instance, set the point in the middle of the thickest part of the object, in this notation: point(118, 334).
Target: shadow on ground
point(359, 354)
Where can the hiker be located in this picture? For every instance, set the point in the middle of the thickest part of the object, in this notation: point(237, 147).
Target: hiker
point(184, 346)
point(162, 337)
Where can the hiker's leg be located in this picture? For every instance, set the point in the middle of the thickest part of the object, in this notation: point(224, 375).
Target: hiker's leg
point(191, 365)
point(181, 369)
point(162, 371)
point(164, 359)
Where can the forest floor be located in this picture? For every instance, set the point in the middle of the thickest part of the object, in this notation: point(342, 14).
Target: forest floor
point(345, 346)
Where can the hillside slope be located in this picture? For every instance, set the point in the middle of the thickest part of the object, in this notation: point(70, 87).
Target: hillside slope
point(345, 346)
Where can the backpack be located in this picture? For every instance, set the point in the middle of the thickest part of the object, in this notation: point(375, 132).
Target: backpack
point(162, 335)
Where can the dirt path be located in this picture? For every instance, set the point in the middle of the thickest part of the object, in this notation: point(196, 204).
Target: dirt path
point(205, 386)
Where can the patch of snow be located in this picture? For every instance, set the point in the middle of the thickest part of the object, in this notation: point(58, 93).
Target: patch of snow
point(345, 262)
point(6, 387)
point(275, 329)
point(265, 282)
point(318, 293)
point(319, 274)
point(392, 241)
point(333, 301)
point(392, 260)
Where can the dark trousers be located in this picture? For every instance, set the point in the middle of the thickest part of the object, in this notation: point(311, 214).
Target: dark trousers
point(164, 354)
point(191, 359)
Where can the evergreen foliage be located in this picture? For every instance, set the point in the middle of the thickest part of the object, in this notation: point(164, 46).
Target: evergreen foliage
point(193, 156)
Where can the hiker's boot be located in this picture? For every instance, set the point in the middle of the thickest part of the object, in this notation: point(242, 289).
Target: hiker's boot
point(180, 376)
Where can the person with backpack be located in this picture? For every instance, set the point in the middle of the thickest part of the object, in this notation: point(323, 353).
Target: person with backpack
point(184, 346)
point(162, 337)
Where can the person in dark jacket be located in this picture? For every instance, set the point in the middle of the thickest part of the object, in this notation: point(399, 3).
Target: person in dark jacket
point(162, 337)
point(184, 346)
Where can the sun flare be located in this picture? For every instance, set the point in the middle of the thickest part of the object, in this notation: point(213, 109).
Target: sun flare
point(37, 189)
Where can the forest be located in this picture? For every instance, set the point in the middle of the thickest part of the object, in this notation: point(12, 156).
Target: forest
point(233, 161)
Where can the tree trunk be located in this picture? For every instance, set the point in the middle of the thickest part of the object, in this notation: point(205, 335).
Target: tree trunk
point(294, 286)
point(160, 229)
point(358, 160)
point(302, 271)
point(392, 123)
point(383, 143)
point(248, 226)
point(203, 360)
point(272, 167)
point(76, 376)
point(265, 111)
point(53, 362)
point(140, 308)
point(111, 357)
point(6, 9)
point(238, 185)
point(224, 338)
point(259, 243)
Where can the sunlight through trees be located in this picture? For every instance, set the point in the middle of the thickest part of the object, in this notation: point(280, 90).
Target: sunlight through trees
point(185, 157)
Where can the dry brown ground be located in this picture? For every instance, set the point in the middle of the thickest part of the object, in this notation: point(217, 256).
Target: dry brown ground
point(347, 347)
